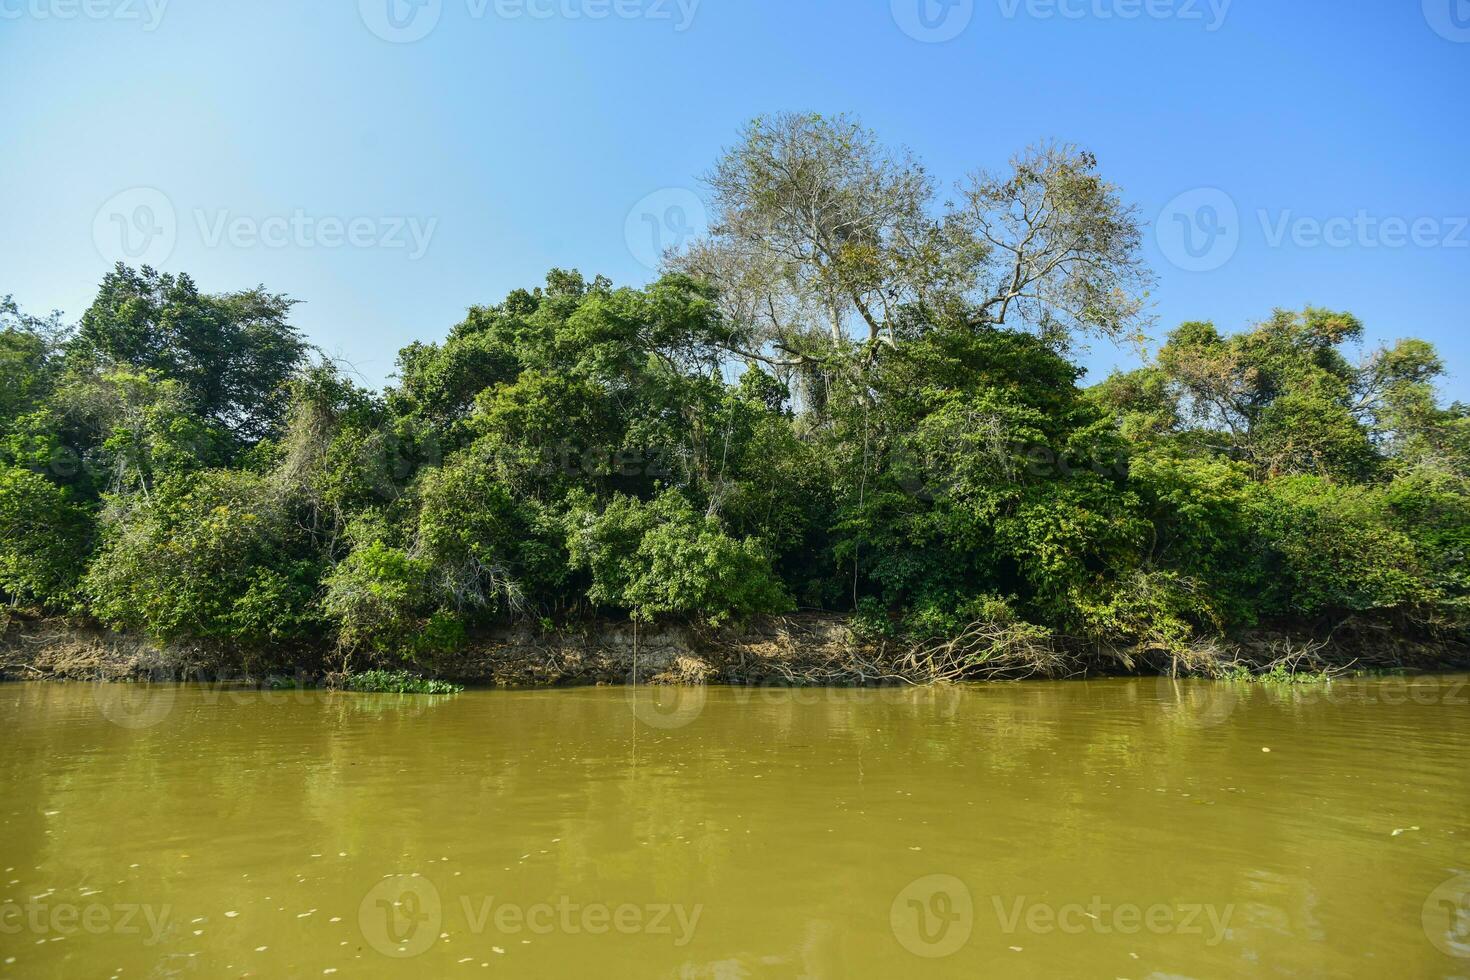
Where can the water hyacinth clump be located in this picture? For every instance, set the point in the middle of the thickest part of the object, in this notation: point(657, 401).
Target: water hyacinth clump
point(396, 682)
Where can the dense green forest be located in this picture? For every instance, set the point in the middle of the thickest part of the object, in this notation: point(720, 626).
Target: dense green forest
point(856, 394)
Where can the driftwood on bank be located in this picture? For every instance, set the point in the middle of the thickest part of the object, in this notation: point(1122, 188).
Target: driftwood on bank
point(806, 649)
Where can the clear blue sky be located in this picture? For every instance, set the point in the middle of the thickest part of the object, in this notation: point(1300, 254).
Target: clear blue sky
point(528, 140)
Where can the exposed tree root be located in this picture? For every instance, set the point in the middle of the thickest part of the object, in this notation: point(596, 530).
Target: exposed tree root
point(799, 650)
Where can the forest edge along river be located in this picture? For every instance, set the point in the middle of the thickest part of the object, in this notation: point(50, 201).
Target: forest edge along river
point(1138, 827)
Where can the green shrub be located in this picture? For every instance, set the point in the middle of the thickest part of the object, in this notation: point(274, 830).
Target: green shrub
point(214, 554)
point(378, 596)
point(663, 558)
point(43, 539)
point(1334, 550)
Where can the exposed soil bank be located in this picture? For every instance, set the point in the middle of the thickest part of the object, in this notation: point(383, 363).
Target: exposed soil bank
point(806, 649)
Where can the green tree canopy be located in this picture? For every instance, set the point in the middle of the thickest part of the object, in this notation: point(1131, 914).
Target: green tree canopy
point(233, 353)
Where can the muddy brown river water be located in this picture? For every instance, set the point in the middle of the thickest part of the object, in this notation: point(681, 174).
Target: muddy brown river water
point(1122, 828)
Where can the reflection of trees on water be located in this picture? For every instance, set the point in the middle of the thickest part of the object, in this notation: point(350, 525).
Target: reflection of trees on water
point(778, 810)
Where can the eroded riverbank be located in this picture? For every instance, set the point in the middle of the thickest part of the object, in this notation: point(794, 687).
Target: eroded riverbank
point(789, 651)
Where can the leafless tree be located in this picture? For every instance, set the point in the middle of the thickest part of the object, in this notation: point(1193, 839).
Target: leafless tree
point(825, 243)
